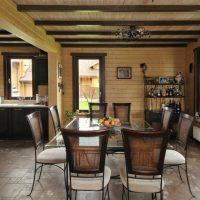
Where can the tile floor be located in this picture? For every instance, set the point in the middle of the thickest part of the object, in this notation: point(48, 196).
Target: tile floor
point(16, 173)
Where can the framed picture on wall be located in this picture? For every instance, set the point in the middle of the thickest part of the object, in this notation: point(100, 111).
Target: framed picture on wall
point(124, 72)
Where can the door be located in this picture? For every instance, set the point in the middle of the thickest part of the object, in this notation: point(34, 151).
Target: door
point(88, 80)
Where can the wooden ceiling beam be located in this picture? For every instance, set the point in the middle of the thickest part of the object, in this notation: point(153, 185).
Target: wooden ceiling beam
point(3, 32)
point(113, 32)
point(11, 39)
point(21, 25)
point(108, 8)
point(117, 23)
point(15, 45)
point(127, 45)
point(123, 40)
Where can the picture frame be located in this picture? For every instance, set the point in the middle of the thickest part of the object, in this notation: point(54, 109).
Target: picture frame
point(163, 80)
point(124, 72)
point(59, 71)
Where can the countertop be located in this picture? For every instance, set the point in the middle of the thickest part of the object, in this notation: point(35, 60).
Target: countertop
point(18, 105)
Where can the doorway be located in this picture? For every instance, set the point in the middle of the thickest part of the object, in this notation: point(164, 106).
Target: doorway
point(88, 80)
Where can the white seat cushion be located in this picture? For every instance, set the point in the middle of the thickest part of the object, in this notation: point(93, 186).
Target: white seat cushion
point(52, 155)
point(141, 185)
point(91, 183)
point(173, 157)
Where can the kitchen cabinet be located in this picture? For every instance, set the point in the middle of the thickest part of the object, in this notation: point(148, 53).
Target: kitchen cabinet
point(41, 67)
point(14, 125)
point(4, 123)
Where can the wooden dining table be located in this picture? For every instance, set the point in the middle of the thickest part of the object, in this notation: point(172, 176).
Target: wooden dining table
point(115, 143)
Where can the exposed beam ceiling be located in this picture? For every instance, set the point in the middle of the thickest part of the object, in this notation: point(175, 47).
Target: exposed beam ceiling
point(121, 40)
point(171, 23)
point(117, 23)
point(113, 33)
point(108, 8)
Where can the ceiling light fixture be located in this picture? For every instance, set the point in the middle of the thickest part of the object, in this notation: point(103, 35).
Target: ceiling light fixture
point(132, 33)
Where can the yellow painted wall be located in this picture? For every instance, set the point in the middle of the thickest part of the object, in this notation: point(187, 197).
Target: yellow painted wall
point(160, 62)
point(11, 49)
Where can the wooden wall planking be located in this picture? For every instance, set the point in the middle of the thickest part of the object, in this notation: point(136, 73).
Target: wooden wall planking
point(160, 62)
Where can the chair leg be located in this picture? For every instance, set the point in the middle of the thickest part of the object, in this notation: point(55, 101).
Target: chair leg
point(180, 173)
point(123, 193)
point(108, 193)
point(75, 194)
point(161, 195)
point(40, 172)
point(102, 194)
point(35, 170)
point(186, 171)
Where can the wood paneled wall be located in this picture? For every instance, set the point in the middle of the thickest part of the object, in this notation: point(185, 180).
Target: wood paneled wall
point(160, 62)
point(11, 49)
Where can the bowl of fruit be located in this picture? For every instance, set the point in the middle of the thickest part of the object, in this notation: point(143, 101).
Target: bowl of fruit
point(109, 122)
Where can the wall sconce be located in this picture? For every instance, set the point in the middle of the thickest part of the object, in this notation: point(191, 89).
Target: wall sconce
point(60, 87)
point(143, 67)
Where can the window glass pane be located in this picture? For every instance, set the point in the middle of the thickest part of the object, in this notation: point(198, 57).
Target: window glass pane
point(21, 78)
point(88, 82)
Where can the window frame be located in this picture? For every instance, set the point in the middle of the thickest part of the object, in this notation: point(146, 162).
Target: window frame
point(75, 75)
point(7, 73)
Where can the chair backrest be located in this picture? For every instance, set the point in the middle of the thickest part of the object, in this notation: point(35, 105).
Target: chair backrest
point(35, 123)
point(86, 150)
point(144, 151)
point(122, 111)
point(98, 110)
point(185, 125)
point(166, 116)
point(55, 118)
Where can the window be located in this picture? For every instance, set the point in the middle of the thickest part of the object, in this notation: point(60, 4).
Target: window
point(19, 77)
point(88, 80)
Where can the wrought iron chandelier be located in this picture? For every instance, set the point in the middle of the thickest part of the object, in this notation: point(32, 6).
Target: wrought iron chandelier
point(132, 33)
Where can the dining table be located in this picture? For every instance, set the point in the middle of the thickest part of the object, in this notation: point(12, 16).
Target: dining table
point(115, 143)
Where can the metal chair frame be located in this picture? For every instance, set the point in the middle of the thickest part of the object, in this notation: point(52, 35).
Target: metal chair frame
point(73, 172)
point(182, 146)
point(38, 145)
point(126, 133)
point(124, 105)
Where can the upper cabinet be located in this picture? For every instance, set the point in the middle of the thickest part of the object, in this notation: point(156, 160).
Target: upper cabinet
point(41, 69)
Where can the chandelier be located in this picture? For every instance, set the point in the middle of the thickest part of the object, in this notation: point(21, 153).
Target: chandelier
point(132, 33)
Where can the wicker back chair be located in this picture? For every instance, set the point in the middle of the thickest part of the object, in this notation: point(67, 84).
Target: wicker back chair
point(144, 157)
point(178, 156)
point(98, 110)
point(122, 111)
point(43, 156)
point(86, 152)
point(55, 118)
point(166, 117)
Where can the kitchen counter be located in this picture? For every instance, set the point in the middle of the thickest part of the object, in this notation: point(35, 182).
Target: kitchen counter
point(22, 105)
point(13, 122)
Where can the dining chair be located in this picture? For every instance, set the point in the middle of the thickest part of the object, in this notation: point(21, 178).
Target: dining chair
point(86, 152)
point(52, 156)
point(144, 158)
point(55, 118)
point(166, 117)
point(122, 111)
point(178, 156)
point(98, 110)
